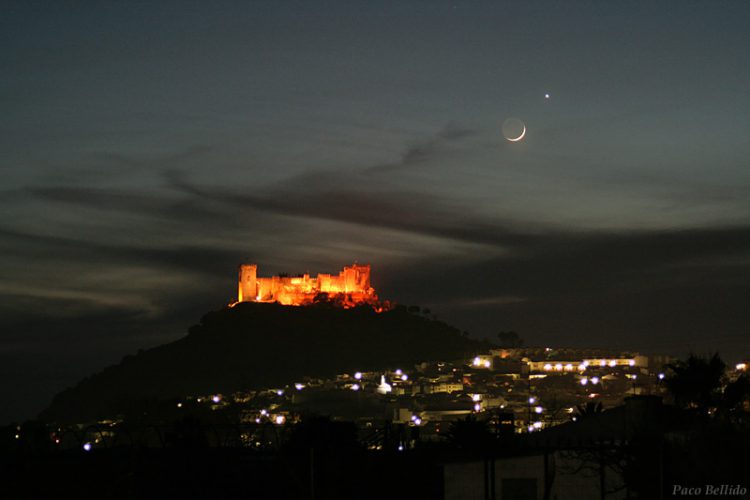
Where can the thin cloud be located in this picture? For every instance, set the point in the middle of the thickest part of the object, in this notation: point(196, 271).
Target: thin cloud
point(423, 151)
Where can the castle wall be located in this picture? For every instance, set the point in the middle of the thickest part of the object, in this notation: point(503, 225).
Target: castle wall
point(353, 281)
point(265, 289)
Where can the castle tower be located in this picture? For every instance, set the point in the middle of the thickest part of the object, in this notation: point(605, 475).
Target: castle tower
point(356, 278)
point(247, 289)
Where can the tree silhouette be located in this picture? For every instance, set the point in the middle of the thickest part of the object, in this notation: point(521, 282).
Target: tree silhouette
point(736, 394)
point(470, 434)
point(509, 340)
point(587, 410)
point(188, 433)
point(324, 435)
point(696, 382)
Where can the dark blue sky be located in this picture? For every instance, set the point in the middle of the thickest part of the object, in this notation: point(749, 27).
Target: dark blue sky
point(146, 149)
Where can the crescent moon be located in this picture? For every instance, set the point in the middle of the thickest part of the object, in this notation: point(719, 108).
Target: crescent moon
point(519, 137)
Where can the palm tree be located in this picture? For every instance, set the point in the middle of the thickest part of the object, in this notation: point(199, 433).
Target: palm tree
point(587, 410)
point(696, 383)
point(736, 394)
point(470, 434)
point(509, 340)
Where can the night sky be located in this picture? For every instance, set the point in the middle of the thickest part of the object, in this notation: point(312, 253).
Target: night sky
point(147, 149)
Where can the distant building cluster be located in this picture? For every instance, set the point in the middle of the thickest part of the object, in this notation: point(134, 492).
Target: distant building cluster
point(514, 391)
point(517, 390)
point(349, 288)
point(543, 406)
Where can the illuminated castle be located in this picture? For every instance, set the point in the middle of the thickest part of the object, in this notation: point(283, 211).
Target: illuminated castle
point(348, 289)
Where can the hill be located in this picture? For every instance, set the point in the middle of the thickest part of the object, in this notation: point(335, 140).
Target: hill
point(253, 346)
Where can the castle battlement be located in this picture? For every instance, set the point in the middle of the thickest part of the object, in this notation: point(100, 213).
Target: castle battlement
point(349, 288)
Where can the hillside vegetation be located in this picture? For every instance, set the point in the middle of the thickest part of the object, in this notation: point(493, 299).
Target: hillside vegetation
point(254, 346)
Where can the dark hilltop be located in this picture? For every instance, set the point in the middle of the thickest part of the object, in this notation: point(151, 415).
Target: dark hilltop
point(252, 346)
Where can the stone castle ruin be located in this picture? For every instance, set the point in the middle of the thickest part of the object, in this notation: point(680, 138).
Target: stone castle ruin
point(349, 288)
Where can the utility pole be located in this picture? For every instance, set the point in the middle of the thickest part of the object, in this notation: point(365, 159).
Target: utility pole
point(528, 401)
point(312, 473)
